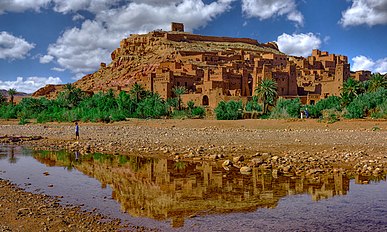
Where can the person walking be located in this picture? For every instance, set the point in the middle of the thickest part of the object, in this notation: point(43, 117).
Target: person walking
point(76, 131)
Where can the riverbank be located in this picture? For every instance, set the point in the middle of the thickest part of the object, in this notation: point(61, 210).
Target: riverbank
point(22, 211)
point(297, 146)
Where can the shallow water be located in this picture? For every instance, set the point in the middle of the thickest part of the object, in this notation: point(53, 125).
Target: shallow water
point(201, 196)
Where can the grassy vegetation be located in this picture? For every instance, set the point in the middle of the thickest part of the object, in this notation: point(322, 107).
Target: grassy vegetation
point(73, 105)
point(357, 100)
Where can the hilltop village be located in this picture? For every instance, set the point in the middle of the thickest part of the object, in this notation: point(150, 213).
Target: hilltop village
point(213, 69)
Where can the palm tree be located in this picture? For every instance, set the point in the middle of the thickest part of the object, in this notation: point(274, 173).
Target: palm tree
point(72, 95)
point(178, 91)
point(267, 93)
point(351, 89)
point(11, 93)
point(137, 90)
point(377, 81)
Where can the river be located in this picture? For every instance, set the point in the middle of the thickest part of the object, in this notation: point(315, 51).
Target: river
point(199, 196)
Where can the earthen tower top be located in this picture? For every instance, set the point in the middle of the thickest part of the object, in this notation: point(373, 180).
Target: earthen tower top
point(177, 27)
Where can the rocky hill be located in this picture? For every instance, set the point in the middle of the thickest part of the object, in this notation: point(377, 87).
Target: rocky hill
point(140, 55)
point(5, 93)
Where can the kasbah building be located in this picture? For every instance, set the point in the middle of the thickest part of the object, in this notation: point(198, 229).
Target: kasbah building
point(233, 75)
point(230, 73)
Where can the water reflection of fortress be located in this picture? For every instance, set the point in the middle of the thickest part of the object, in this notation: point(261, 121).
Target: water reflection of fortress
point(165, 189)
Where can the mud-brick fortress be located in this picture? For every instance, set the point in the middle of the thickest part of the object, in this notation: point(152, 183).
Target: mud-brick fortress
point(213, 69)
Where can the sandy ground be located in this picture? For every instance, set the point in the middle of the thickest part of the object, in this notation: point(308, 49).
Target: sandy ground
point(300, 147)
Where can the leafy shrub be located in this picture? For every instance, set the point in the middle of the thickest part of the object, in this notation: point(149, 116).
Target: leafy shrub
point(286, 108)
point(151, 107)
point(190, 104)
point(332, 102)
point(330, 116)
point(198, 112)
point(253, 105)
point(380, 111)
point(23, 121)
point(367, 103)
point(8, 111)
point(231, 110)
point(180, 114)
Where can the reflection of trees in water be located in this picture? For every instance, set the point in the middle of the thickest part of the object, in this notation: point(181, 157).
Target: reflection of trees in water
point(179, 165)
point(166, 189)
point(57, 158)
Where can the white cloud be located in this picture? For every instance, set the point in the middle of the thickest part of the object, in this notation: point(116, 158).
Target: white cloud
point(30, 84)
point(78, 17)
point(366, 63)
point(62, 6)
point(298, 44)
point(265, 9)
point(12, 47)
point(46, 59)
point(370, 12)
point(81, 50)
point(93, 6)
point(58, 69)
point(22, 5)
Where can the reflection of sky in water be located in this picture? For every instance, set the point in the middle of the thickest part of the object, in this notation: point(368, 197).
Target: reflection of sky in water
point(364, 207)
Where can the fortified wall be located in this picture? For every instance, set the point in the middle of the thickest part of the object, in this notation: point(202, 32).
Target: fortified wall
point(186, 37)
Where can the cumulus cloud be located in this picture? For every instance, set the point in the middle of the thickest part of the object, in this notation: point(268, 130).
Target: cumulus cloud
point(58, 5)
point(22, 5)
point(82, 49)
point(12, 47)
point(46, 59)
point(30, 84)
point(93, 6)
point(78, 17)
point(369, 12)
point(298, 44)
point(366, 63)
point(264, 9)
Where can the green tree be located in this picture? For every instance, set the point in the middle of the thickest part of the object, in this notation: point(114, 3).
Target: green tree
point(2, 98)
point(137, 90)
point(231, 110)
point(351, 89)
point(71, 96)
point(286, 108)
point(377, 81)
point(125, 103)
point(267, 93)
point(151, 107)
point(253, 105)
point(178, 91)
point(11, 93)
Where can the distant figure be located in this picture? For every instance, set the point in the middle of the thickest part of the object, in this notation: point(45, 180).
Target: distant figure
point(306, 113)
point(302, 114)
point(76, 131)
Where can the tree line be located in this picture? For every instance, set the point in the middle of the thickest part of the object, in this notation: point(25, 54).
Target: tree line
point(357, 100)
point(73, 104)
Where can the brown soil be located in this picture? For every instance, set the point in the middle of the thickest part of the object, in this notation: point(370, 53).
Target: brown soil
point(298, 146)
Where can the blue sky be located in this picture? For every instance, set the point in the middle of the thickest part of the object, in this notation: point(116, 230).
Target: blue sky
point(59, 41)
